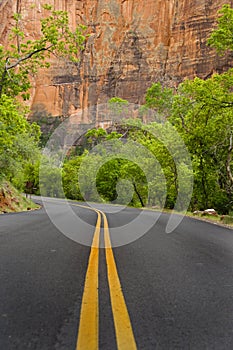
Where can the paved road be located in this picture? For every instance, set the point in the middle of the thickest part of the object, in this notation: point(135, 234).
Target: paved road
point(177, 289)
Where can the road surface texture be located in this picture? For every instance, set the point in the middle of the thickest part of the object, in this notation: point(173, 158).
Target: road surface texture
point(175, 292)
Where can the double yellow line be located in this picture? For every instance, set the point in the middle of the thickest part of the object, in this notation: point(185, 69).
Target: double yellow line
point(88, 333)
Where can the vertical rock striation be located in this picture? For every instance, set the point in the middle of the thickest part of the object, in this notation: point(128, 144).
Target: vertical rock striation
point(132, 43)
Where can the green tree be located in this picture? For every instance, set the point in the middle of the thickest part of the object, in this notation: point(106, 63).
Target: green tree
point(18, 140)
point(203, 114)
point(24, 56)
point(222, 37)
point(95, 136)
point(118, 107)
point(159, 99)
point(19, 151)
point(107, 178)
point(70, 173)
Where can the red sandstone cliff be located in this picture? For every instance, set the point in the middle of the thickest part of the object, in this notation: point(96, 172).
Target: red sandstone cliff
point(132, 44)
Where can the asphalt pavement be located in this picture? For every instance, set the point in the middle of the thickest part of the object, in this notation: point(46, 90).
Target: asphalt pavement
point(177, 288)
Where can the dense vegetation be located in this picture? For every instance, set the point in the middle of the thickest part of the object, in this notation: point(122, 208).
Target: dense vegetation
point(140, 169)
point(19, 140)
point(202, 113)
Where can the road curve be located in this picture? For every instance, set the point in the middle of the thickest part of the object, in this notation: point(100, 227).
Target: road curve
point(177, 288)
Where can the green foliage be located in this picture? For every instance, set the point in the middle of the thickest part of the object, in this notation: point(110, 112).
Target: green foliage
point(222, 37)
point(107, 178)
point(70, 178)
point(113, 136)
point(24, 56)
point(159, 98)
point(122, 181)
point(86, 176)
point(228, 220)
point(118, 106)
point(202, 112)
point(50, 178)
point(31, 177)
point(118, 101)
point(142, 170)
point(19, 151)
point(18, 141)
point(95, 136)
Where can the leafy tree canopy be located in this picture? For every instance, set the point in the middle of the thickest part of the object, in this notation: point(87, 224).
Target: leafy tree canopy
point(25, 56)
point(222, 36)
point(19, 151)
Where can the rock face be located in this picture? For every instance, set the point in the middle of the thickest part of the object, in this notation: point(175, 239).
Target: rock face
point(132, 43)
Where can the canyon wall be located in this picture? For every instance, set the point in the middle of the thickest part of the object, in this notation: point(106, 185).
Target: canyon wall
point(132, 44)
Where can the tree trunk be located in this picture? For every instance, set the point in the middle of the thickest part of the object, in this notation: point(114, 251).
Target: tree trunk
point(138, 194)
point(2, 81)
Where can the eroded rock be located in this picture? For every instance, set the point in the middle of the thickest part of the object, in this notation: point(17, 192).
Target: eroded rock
point(132, 43)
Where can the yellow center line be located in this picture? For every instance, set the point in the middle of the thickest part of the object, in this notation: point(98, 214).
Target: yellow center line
point(123, 329)
point(88, 333)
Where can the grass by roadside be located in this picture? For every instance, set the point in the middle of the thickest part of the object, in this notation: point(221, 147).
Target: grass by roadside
point(12, 200)
point(222, 220)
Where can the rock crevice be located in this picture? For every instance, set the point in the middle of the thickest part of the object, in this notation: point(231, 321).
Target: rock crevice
point(132, 43)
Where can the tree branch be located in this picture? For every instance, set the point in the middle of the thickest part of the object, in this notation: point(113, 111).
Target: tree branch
point(138, 194)
point(13, 65)
point(2, 81)
point(223, 104)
